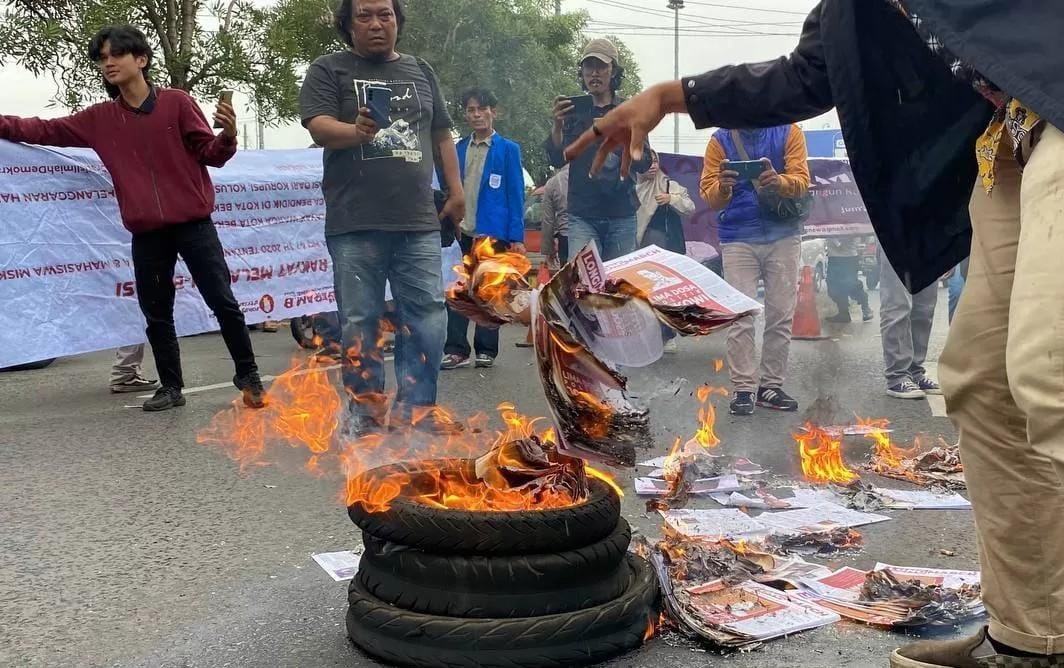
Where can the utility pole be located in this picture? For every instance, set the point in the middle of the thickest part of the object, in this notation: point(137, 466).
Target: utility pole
point(676, 6)
point(557, 7)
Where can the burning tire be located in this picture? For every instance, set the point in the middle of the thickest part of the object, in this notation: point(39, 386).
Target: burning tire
point(481, 587)
point(410, 523)
point(575, 638)
point(519, 574)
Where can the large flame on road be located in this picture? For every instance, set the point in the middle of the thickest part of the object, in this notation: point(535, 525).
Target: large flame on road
point(302, 416)
point(821, 455)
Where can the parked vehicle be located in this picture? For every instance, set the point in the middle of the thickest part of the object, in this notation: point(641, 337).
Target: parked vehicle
point(815, 256)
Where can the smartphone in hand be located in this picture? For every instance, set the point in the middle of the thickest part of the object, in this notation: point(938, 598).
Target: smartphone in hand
point(749, 170)
point(379, 102)
point(225, 96)
point(581, 104)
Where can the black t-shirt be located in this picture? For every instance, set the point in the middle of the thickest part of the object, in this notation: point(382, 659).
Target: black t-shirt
point(604, 195)
point(385, 185)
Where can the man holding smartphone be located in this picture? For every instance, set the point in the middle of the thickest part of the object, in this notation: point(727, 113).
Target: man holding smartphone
point(157, 145)
point(602, 208)
point(381, 222)
point(741, 167)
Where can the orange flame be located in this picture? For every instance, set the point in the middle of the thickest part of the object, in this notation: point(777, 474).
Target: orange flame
point(604, 477)
point(493, 276)
point(707, 416)
point(718, 365)
point(821, 455)
point(886, 454)
point(652, 628)
point(302, 412)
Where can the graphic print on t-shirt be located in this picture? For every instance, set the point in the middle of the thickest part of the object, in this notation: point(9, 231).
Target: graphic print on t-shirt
point(400, 138)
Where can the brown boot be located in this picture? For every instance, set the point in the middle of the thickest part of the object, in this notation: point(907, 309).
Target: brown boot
point(974, 652)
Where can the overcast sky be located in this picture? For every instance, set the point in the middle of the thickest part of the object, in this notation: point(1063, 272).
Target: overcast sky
point(712, 34)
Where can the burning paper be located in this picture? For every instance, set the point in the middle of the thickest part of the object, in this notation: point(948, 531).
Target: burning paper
point(940, 466)
point(899, 596)
point(711, 590)
point(492, 288)
point(703, 487)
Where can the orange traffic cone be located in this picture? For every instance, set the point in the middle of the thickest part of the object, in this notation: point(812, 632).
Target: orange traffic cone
point(806, 318)
point(542, 278)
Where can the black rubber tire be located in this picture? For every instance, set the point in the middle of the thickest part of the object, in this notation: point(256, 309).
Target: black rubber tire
point(568, 639)
point(470, 598)
point(483, 532)
point(515, 574)
point(299, 327)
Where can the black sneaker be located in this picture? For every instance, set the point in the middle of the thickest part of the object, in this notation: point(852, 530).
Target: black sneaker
point(165, 398)
point(251, 387)
point(840, 318)
point(484, 361)
point(776, 399)
point(356, 425)
point(866, 313)
point(435, 422)
point(742, 403)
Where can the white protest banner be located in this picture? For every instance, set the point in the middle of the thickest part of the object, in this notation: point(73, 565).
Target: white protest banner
point(66, 277)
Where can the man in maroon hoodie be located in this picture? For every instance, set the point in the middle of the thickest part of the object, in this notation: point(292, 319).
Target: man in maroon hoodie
point(157, 145)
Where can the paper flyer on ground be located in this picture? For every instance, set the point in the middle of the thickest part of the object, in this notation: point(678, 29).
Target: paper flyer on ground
point(755, 610)
point(706, 487)
point(339, 565)
point(819, 518)
point(714, 524)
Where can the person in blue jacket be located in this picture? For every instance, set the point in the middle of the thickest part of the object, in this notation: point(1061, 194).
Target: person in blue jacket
point(495, 203)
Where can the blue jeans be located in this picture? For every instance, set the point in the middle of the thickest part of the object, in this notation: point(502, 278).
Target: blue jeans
point(956, 287)
point(362, 263)
point(613, 236)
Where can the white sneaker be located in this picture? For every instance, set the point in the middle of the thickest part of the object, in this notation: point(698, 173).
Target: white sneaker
point(672, 347)
point(906, 389)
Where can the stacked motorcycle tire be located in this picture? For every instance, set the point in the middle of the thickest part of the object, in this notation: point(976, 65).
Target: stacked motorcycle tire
point(528, 589)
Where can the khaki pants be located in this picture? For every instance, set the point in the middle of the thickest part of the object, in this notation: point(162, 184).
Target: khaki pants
point(777, 264)
point(127, 363)
point(1003, 375)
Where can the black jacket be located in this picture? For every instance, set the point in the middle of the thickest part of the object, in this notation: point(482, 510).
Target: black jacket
point(910, 126)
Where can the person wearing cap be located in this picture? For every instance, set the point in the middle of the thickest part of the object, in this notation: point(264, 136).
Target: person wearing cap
point(602, 208)
point(953, 116)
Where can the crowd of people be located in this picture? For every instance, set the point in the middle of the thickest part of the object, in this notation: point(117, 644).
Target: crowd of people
point(952, 120)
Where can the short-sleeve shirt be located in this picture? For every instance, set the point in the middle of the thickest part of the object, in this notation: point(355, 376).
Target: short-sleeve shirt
point(385, 185)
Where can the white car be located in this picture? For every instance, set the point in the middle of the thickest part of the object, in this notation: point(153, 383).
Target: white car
point(815, 256)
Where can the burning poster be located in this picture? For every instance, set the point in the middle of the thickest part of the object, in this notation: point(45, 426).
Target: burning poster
point(752, 610)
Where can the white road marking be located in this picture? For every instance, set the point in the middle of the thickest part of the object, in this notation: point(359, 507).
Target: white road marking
point(938, 404)
point(265, 379)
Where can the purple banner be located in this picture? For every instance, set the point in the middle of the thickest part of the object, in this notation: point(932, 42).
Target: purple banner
point(837, 205)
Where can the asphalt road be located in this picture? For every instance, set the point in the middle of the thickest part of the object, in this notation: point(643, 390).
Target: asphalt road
point(124, 543)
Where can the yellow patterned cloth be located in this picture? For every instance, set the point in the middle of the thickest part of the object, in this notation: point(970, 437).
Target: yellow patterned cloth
point(1019, 122)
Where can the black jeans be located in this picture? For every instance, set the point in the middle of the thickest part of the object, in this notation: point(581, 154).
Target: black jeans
point(154, 257)
point(485, 341)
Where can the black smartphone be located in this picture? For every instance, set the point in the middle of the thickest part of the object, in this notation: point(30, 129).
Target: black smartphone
point(581, 104)
point(379, 102)
point(225, 96)
point(749, 170)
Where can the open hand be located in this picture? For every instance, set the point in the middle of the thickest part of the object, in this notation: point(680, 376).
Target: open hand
point(225, 116)
point(626, 127)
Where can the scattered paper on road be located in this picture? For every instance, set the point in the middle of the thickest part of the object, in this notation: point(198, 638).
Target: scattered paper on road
point(920, 499)
point(821, 517)
point(715, 524)
point(755, 611)
point(339, 565)
point(705, 487)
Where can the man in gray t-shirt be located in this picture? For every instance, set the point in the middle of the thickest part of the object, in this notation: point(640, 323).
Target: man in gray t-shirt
point(381, 222)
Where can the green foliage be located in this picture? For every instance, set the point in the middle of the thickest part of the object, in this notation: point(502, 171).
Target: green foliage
point(518, 48)
point(201, 46)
